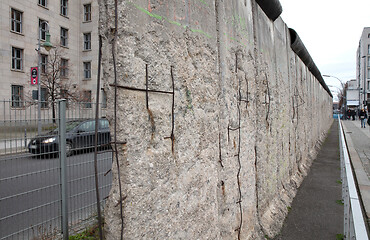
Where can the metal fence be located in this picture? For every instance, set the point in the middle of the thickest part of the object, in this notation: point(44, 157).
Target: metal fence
point(354, 221)
point(30, 170)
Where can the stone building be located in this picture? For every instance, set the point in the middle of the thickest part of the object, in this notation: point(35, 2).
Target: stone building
point(363, 66)
point(73, 29)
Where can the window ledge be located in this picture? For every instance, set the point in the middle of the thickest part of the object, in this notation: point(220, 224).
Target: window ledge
point(86, 50)
point(66, 47)
point(44, 7)
point(86, 79)
point(18, 33)
point(88, 21)
point(64, 15)
point(17, 70)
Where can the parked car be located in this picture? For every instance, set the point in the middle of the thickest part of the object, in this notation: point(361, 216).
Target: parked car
point(80, 134)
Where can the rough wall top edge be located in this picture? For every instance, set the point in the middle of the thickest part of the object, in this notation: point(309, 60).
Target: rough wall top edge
point(299, 48)
point(272, 8)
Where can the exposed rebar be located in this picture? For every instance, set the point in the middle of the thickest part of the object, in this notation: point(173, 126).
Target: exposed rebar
point(115, 110)
point(173, 112)
point(96, 143)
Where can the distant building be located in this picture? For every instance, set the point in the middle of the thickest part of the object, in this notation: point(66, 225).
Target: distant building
point(73, 26)
point(352, 94)
point(363, 67)
point(335, 105)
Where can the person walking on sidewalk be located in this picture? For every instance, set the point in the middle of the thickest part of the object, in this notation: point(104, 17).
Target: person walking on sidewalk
point(363, 117)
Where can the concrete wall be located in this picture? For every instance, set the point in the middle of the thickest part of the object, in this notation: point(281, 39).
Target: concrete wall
point(248, 117)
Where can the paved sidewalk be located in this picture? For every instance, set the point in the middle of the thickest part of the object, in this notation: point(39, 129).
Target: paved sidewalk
point(316, 212)
point(361, 140)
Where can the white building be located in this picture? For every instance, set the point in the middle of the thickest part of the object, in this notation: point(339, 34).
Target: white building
point(73, 28)
point(363, 67)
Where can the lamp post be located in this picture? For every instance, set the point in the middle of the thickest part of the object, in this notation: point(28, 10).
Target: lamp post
point(340, 91)
point(47, 45)
point(343, 89)
point(341, 83)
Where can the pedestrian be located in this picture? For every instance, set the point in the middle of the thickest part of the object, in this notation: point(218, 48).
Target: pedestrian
point(353, 115)
point(363, 117)
point(348, 114)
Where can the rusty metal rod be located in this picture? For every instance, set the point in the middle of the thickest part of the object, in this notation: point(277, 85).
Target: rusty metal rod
point(96, 143)
point(139, 89)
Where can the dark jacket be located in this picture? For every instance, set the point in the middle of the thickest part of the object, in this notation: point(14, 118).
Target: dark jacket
point(362, 114)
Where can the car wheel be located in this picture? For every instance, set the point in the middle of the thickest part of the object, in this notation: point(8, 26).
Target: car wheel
point(69, 149)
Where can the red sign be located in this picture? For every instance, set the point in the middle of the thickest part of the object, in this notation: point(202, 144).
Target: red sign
point(34, 75)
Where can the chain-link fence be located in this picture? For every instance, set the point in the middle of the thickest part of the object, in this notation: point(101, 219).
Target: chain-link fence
point(30, 168)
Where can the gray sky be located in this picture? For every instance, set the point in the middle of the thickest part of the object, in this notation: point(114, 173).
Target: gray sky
point(330, 30)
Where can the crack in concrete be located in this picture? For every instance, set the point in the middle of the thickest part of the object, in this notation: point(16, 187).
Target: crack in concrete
point(240, 166)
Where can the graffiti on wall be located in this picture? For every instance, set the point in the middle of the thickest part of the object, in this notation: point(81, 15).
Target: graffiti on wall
point(164, 10)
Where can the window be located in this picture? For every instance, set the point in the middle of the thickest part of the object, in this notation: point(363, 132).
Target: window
point(368, 35)
point(87, 126)
point(64, 7)
point(42, 29)
point(17, 58)
point(43, 3)
point(87, 70)
point(87, 41)
point(63, 68)
point(16, 20)
point(64, 37)
point(86, 99)
point(104, 99)
point(44, 63)
point(87, 12)
point(44, 97)
point(103, 124)
point(368, 49)
point(368, 74)
point(17, 96)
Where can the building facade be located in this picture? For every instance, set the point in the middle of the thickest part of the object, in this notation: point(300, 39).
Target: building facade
point(352, 95)
point(74, 35)
point(363, 67)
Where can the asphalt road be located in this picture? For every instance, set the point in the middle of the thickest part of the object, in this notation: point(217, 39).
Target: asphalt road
point(30, 198)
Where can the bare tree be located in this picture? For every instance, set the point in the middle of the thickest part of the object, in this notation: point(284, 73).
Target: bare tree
point(55, 79)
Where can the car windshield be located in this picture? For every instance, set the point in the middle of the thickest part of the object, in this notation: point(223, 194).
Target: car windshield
point(69, 126)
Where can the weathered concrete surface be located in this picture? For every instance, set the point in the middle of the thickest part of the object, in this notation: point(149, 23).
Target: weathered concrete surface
point(248, 116)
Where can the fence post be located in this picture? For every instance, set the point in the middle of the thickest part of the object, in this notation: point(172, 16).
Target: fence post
point(25, 137)
point(63, 165)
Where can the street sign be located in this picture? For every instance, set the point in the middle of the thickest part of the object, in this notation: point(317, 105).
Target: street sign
point(34, 75)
